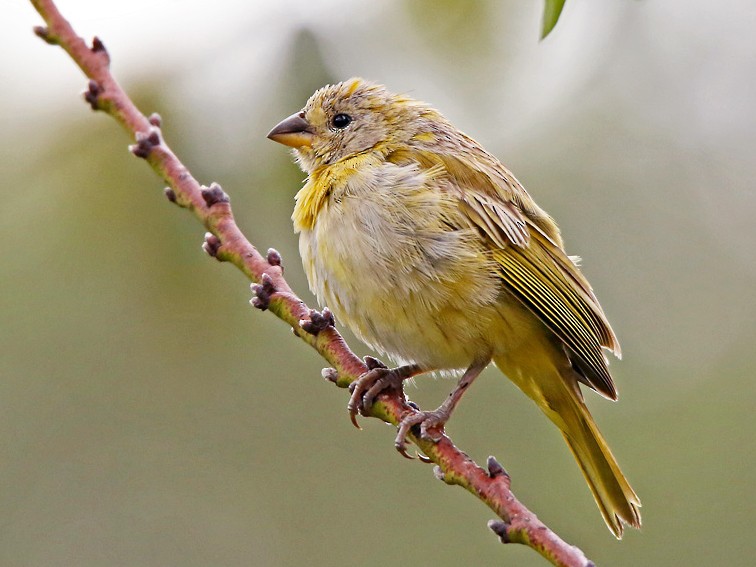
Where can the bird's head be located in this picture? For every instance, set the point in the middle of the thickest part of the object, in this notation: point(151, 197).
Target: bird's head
point(349, 118)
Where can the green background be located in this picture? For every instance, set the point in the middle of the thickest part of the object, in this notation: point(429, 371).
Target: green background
point(150, 416)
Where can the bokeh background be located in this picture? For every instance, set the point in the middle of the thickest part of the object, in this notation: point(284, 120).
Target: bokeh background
point(149, 416)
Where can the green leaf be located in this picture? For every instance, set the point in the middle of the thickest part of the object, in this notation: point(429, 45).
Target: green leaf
point(551, 13)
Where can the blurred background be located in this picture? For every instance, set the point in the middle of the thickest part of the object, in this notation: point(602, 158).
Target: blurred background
point(150, 416)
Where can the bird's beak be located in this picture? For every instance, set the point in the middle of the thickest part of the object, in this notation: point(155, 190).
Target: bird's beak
point(293, 131)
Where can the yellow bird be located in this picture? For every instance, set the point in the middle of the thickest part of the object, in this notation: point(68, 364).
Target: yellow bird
point(431, 251)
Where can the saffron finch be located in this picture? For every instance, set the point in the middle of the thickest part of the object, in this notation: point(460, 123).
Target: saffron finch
point(431, 251)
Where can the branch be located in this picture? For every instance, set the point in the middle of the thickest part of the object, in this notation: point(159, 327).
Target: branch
point(225, 242)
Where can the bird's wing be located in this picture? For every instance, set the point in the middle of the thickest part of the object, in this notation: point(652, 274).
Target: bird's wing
point(495, 211)
point(526, 246)
point(551, 286)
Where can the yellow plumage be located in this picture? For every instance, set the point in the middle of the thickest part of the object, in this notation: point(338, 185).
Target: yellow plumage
point(432, 252)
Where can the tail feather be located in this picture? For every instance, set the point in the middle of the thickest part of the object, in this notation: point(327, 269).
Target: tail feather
point(558, 395)
point(616, 499)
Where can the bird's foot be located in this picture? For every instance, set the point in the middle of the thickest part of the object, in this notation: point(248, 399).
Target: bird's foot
point(432, 422)
point(376, 380)
point(431, 427)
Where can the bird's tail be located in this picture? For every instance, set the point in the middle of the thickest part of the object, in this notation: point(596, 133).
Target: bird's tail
point(615, 497)
point(559, 398)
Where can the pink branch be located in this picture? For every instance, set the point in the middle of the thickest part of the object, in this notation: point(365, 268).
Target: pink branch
point(227, 243)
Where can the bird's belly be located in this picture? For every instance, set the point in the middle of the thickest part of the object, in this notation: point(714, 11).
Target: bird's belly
point(441, 314)
point(447, 337)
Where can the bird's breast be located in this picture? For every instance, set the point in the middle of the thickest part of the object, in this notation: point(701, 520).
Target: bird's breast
point(398, 267)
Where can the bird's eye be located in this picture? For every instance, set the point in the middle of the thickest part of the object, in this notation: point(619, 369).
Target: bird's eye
point(341, 121)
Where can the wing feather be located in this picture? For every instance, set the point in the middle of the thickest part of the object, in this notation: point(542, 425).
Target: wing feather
point(526, 246)
point(537, 281)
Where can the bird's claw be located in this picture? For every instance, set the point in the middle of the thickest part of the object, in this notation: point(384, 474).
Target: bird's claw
point(372, 363)
point(403, 451)
point(367, 387)
point(431, 427)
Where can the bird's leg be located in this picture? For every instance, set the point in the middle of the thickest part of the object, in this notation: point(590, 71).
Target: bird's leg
point(377, 379)
point(437, 418)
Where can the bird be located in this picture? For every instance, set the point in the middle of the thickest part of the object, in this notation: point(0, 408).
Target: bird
point(430, 250)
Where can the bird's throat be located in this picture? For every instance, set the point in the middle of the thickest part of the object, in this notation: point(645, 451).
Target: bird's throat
point(311, 198)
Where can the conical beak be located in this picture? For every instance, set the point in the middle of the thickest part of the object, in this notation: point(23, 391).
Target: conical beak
point(294, 131)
